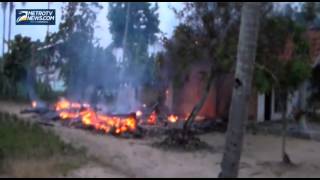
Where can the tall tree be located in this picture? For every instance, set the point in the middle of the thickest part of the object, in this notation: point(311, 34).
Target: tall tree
point(208, 33)
point(310, 11)
point(11, 7)
point(4, 10)
point(242, 87)
point(75, 36)
point(133, 27)
point(280, 67)
point(16, 62)
point(48, 25)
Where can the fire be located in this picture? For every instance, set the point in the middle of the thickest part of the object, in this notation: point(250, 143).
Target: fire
point(172, 118)
point(34, 104)
point(152, 120)
point(65, 104)
point(139, 113)
point(62, 104)
point(89, 117)
point(108, 123)
point(68, 115)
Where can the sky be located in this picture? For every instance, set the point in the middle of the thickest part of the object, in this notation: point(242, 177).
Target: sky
point(166, 17)
point(168, 21)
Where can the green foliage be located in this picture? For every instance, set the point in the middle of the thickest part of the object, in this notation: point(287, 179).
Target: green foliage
point(143, 25)
point(275, 32)
point(198, 38)
point(14, 67)
point(262, 81)
point(76, 34)
point(183, 51)
point(297, 71)
point(16, 61)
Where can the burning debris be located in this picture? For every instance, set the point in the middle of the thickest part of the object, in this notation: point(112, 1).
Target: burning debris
point(70, 113)
point(172, 118)
point(152, 120)
point(90, 117)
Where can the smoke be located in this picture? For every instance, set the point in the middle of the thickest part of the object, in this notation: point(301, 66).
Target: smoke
point(30, 82)
point(99, 78)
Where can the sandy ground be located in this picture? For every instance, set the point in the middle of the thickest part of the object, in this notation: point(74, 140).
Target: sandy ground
point(136, 158)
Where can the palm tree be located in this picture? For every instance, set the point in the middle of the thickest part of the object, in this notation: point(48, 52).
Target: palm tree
point(11, 7)
point(124, 44)
point(48, 25)
point(4, 9)
point(242, 88)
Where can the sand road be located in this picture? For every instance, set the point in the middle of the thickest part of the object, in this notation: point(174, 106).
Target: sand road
point(136, 158)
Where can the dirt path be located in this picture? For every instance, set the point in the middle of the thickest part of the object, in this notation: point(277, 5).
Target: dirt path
point(135, 158)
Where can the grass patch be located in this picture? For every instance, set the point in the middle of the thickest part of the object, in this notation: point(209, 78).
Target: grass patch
point(27, 150)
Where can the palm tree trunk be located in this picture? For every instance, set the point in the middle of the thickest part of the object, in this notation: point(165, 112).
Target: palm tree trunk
point(124, 44)
point(242, 89)
point(11, 6)
point(48, 25)
point(4, 9)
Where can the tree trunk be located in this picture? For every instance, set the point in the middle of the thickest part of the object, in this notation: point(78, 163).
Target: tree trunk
point(4, 28)
point(242, 88)
point(11, 6)
point(48, 25)
point(124, 44)
point(218, 96)
point(285, 156)
point(201, 102)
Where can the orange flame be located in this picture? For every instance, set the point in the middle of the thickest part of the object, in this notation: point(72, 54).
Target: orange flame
point(65, 104)
point(107, 123)
point(152, 120)
point(89, 117)
point(173, 118)
point(68, 115)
